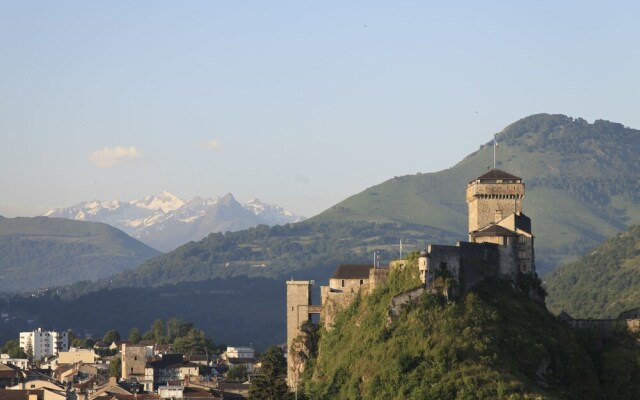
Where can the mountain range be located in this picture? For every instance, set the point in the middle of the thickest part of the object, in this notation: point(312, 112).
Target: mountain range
point(165, 221)
point(582, 186)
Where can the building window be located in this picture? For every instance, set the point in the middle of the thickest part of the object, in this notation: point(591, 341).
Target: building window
point(342, 283)
point(361, 282)
point(135, 358)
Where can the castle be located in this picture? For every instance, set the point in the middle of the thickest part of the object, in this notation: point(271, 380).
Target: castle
point(500, 244)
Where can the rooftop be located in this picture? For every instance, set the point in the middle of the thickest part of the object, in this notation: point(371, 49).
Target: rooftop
point(497, 174)
point(494, 230)
point(352, 271)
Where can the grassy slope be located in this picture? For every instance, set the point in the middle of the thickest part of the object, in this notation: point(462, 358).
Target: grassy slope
point(601, 284)
point(41, 252)
point(493, 343)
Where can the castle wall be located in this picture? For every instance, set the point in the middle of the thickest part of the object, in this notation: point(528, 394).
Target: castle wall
point(378, 276)
point(509, 258)
point(348, 285)
point(477, 261)
point(606, 326)
point(443, 258)
point(333, 303)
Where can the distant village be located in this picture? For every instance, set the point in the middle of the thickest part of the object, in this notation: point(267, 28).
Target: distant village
point(122, 370)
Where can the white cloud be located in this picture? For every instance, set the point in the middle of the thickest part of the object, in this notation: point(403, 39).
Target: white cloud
point(212, 145)
point(108, 157)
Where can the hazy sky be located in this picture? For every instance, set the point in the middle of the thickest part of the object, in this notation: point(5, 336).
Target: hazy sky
point(297, 103)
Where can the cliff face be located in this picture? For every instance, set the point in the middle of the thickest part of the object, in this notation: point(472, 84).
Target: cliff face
point(303, 348)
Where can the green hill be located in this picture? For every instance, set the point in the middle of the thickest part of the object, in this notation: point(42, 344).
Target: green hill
point(43, 252)
point(601, 284)
point(495, 343)
point(581, 188)
point(581, 180)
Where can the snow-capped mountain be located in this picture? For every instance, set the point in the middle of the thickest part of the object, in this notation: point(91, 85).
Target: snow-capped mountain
point(165, 221)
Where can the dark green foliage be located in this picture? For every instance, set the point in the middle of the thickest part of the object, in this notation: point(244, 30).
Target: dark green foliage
point(494, 343)
point(43, 252)
point(115, 368)
point(601, 284)
point(315, 248)
point(270, 383)
point(237, 373)
point(12, 348)
point(111, 336)
point(135, 336)
point(193, 341)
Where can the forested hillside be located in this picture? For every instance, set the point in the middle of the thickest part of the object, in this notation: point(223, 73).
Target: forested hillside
point(601, 284)
point(43, 252)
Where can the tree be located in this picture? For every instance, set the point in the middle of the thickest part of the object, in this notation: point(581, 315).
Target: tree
point(237, 373)
point(195, 342)
point(29, 351)
point(135, 336)
point(156, 332)
point(12, 348)
point(270, 383)
point(111, 336)
point(115, 368)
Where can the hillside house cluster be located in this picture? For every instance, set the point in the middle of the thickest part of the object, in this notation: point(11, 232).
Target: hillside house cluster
point(148, 371)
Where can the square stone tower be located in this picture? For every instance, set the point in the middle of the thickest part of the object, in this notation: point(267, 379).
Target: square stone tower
point(298, 304)
point(492, 197)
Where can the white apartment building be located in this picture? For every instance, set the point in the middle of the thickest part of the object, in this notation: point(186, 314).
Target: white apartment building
point(240, 352)
point(44, 343)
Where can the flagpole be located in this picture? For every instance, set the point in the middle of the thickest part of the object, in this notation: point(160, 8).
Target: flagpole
point(495, 144)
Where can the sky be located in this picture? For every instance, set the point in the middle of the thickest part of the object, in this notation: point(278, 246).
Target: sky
point(298, 103)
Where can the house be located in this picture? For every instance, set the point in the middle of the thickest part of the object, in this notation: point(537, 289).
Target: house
point(38, 384)
point(166, 368)
point(187, 393)
point(21, 363)
point(6, 394)
point(199, 359)
point(108, 389)
point(10, 375)
point(74, 355)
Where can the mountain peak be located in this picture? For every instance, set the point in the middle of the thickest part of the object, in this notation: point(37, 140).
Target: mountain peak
point(164, 201)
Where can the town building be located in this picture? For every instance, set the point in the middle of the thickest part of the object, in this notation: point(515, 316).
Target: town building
point(75, 355)
point(43, 343)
